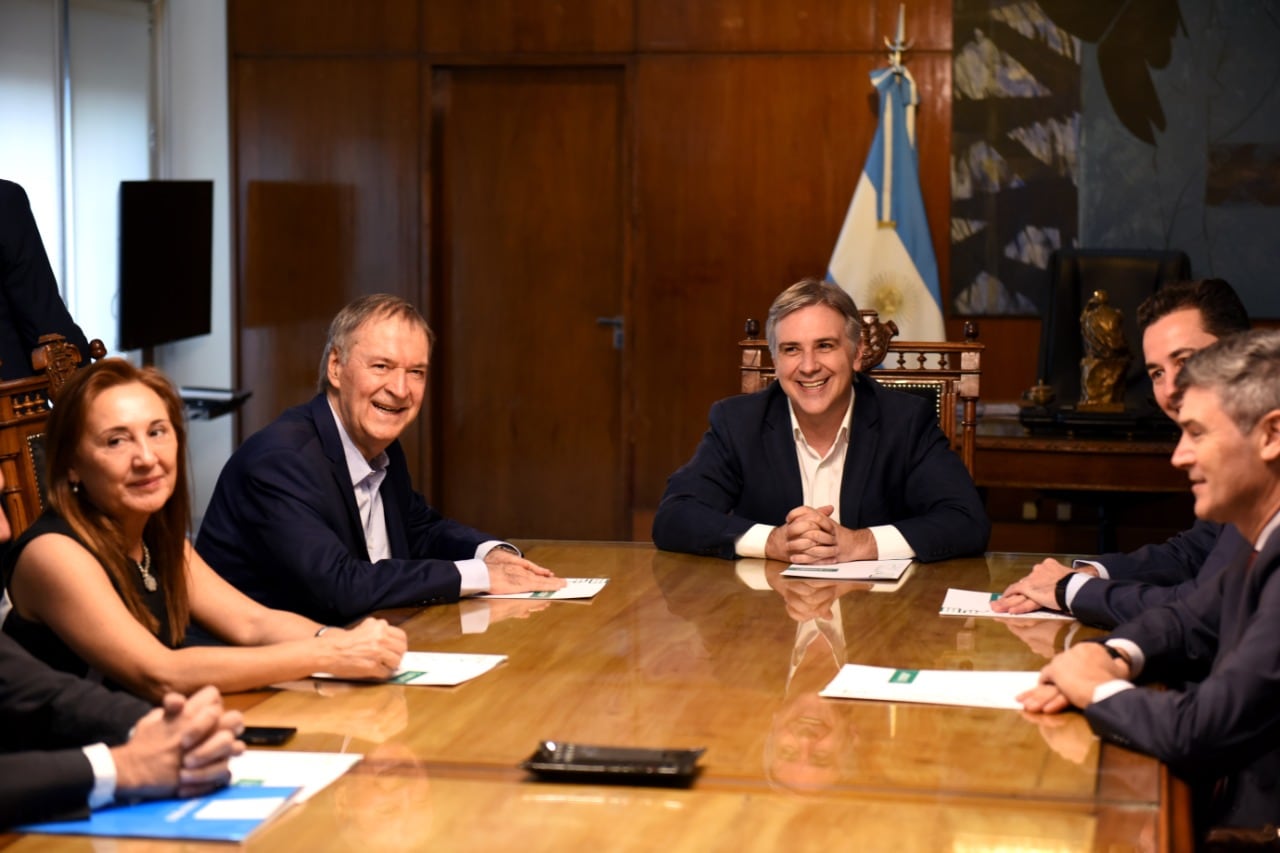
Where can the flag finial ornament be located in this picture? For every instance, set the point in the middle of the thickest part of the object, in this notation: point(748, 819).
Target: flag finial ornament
point(898, 46)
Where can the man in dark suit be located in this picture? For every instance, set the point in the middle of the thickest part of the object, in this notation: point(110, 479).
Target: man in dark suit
point(825, 465)
point(30, 305)
point(316, 512)
point(67, 744)
point(1176, 321)
point(1221, 733)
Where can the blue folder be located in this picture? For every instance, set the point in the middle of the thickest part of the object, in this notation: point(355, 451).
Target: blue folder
point(178, 819)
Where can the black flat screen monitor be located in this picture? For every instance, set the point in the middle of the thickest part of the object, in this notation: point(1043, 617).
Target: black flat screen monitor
point(166, 261)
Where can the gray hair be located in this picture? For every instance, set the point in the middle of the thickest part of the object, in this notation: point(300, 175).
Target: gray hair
point(1244, 370)
point(355, 315)
point(811, 291)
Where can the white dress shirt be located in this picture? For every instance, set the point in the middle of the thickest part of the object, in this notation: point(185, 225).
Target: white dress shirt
point(820, 480)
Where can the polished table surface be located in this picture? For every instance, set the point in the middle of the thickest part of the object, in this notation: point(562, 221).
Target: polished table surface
point(680, 651)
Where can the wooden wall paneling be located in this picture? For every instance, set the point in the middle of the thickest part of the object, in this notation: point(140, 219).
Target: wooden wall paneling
point(745, 167)
point(803, 26)
point(528, 223)
point(280, 27)
point(326, 157)
point(527, 26)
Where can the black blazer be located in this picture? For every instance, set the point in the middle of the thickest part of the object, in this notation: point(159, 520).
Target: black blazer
point(1108, 603)
point(1227, 724)
point(283, 527)
point(899, 470)
point(30, 304)
point(41, 709)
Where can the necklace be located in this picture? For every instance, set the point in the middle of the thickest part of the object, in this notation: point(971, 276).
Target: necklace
point(144, 568)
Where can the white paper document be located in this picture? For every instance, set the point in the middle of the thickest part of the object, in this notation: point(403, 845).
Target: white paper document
point(969, 602)
point(856, 570)
point(573, 588)
point(436, 669)
point(309, 772)
point(443, 669)
point(931, 686)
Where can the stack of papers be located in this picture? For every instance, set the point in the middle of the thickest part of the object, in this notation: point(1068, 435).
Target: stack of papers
point(992, 689)
point(968, 602)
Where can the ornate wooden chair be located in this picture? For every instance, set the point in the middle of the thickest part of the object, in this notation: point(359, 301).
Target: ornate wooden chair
point(947, 373)
point(24, 409)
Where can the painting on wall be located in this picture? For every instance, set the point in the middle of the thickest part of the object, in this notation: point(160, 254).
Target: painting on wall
point(1014, 145)
point(1147, 124)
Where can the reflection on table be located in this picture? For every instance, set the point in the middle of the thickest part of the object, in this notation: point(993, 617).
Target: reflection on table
point(681, 651)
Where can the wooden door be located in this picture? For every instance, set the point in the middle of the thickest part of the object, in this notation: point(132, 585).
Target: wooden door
point(527, 256)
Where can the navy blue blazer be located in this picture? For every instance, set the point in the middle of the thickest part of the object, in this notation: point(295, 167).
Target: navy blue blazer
point(284, 529)
point(1173, 561)
point(1225, 724)
point(1107, 603)
point(899, 470)
point(41, 709)
point(30, 304)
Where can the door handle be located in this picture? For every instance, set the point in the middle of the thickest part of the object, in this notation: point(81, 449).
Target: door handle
point(619, 336)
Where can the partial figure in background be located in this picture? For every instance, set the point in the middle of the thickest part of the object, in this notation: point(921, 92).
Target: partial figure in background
point(30, 304)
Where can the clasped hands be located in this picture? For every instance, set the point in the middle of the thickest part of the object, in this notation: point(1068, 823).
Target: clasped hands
point(812, 536)
point(182, 748)
point(1071, 678)
point(1038, 589)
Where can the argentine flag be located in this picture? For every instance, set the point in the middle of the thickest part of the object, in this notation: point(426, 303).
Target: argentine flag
point(884, 257)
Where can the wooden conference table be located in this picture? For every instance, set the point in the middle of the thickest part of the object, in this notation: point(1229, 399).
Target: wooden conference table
point(680, 651)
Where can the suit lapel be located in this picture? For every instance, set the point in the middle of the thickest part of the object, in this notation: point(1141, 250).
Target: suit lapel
point(864, 441)
point(779, 446)
point(331, 443)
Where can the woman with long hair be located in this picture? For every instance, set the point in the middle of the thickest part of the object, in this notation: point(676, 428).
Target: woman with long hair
point(106, 581)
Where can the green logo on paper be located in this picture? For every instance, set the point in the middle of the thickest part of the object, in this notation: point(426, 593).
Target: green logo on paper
point(903, 676)
point(405, 677)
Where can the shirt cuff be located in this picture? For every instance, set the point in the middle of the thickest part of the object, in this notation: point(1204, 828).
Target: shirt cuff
point(753, 542)
point(1107, 689)
point(1137, 660)
point(890, 544)
point(1078, 579)
point(104, 774)
point(475, 576)
point(1102, 570)
point(488, 545)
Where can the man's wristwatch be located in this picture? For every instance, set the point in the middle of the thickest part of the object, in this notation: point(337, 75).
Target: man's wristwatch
point(1060, 591)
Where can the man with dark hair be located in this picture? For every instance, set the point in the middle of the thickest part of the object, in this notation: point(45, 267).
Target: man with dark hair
point(30, 305)
point(1176, 321)
point(825, 465)
point(1222, 732)
point(316, 512)
point(67, 745)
